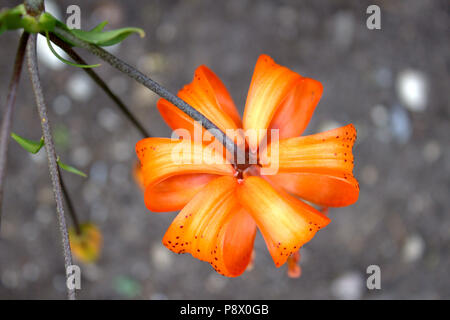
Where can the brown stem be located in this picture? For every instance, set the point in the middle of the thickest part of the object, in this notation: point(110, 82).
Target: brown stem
point(70, 206)
point(157, 88)
point(51, 154)
point(8, 114)
point(94, 76)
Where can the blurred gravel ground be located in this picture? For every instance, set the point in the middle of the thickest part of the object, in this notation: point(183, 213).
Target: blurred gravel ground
point(391, 83)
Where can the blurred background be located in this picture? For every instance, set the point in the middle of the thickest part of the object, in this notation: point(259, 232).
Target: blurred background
point(391, 83)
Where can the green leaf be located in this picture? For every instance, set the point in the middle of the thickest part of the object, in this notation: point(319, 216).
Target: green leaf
point(67, 61)
point(29, 145)
point(103, 38)
point(70, 169)
point(99, 27)
point(47, 22)
point(17, 18)
point(10, 19)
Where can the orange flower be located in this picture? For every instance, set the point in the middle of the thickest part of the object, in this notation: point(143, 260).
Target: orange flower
point(221, 205)
point(293, 262)
point(294, 270)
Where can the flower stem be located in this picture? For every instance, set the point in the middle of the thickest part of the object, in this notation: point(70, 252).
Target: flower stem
point(155, 87)
point(51, 154)
point(94, 76)
point(8, 113)
point(70, 206)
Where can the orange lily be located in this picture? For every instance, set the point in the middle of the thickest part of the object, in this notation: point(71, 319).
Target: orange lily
point(221, 208)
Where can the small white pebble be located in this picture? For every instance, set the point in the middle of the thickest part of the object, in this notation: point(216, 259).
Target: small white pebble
point(161, 256)
point(413, 248)
point(80, 87)
point(348, 286)
point(412, 87)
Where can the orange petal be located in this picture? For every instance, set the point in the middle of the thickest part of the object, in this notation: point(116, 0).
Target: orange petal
point(270, 85)
point(175, 192)
point(236, 242)
point(285, 222)
point(223, 97)
point(138, 176)
point(174, 117)
point(213, 228)
point(251, 264)
point(208, 95)
point(162, 158)
point(295, 111)
point(330, 150)
point(294, 270)
point(328, 188)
